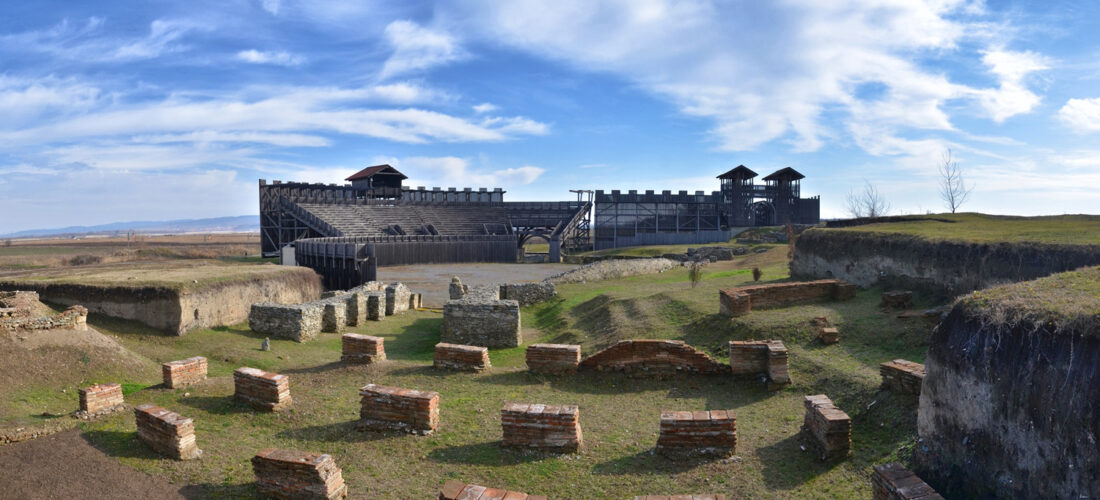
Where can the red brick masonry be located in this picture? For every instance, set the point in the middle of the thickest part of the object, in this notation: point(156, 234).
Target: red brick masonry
point(100, 398)
point(894, 482)
point(166, 432)
point(184, 372)
point(553, 359)
point(541, 426)
point(468, 358)
point(653, 357)
point(739, 301)
point(457, 490)
point(262, 390)
point(902, 377)
point(298, 475)
point(393, 408)
point(704, 433)
point(767, 357)
point(829, 428)
point(362, 349)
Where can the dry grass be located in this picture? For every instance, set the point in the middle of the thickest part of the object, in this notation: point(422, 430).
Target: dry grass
point(982, 228)
point(167, 274)
point(49, 253)
point(1064, 302)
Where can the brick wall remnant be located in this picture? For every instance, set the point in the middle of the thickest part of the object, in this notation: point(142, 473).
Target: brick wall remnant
point(468, 358)
point(297, 322)
point(698, 433)
point(527, 293)
point(902, 377)
point(741, 300)
point(262, 390)
point(541, 426)
point(397, 298)
point(362, 349)
point(183, 372)
point(894, 482)
point(486, 323)
point(829, 335)
point(457, 290)
point(166, 432)
point(653, 358)
point(761, 357)
point(898, 299)
point(99, 399)
point(458, 490)
point(298, 475)
point(385, 408)
point(828, 428)
point(334, 316)
point(73, 318)
point(553, 359)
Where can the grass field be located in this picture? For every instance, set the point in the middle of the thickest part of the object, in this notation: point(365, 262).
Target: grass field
point(619, 415)
point(39, 253)
point(982, 228)
point(176, 274)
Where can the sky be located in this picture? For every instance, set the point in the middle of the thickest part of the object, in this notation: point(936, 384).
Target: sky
point(117, 111)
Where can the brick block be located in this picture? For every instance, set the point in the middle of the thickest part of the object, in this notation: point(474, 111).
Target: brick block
point(761, 357)
point(290, 474)
point(897, 300)
point(183, 372)
point(362, 349)
point(828, 428)
point(895, 482)
point(902, 377)
point(741, 300)
point(458, 490)
point(553, 359)
point(645, 357)
point(393, 408)
point(541, 426)
point(101, 398)
point(461, 357)
point(698, 433)
point(166, 432)
point(262, 390)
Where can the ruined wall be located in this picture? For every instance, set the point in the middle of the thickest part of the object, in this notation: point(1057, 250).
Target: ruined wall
point(653, 357)
point(740, 300)
point(297, 322)
point(527, 293)
point(613, 269)
point(73, 318)
point(486, 323)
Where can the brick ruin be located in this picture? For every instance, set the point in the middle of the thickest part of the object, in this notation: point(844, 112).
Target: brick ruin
point(897, 299)
point(166, 432)
point(553, 359)
point(528, 293)
point(336, 309)
point(541, 426)
point(183, 372)
point(467, 358)
point(458, 490)
point(761, 357)
point(100, 399)
point(297, 322)
point(398, 298)
point(298, 475)
point(653, 358)
point(825, 333)
point(362, 349)
point(894, 482)
point(262, 390)
point(741, 300)
point(393, 408)
point(828, 428)
point(481, 322)
point(19, 311)
point(902, 377)
point(697, 433)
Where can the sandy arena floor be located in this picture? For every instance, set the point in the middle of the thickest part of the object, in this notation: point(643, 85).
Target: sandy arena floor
point(433, 280)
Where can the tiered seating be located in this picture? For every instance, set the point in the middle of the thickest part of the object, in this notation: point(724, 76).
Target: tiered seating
point(377, 220)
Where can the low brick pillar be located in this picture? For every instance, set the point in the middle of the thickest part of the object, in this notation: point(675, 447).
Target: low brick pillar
point(297, 322)
point(294, 474)
point(699, 433)
point(778, 364)
point(894, 482)
point(541, 426)
point(393, 408)
point(483, 322)
point(362, 349)
point(458, 490)
point(829, 428)
point(262, 390)
point(765, 357)
point(101, 398)
point(334, 316)
point(829, 335)
point(733, 303)
point(183, 372)
point(553, 359)
point(467, 358)
point(166, 432)
point(897, 300)
point(902, 377)
point(682, 497)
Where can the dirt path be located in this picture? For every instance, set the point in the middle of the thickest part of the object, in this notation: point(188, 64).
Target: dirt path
point(64, 465)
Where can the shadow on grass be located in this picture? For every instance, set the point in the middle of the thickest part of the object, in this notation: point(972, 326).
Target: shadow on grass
point(218, 405)
point(487, 453)
point(416, 342)
point(119, 444)
point(648, 462)
point(238, 330)
point(210, 490)
point(786, 466)
point(425, 371)
point(333, 365)
point(340, 432)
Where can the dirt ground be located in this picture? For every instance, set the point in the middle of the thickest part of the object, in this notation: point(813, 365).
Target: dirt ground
point(433, 280)
point(64, 465)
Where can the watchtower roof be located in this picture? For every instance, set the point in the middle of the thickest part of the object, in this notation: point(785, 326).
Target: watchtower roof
point(785, 173)
point(738, 172)
point(369, 172)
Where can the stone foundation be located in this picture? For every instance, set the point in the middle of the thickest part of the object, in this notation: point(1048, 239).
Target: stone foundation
point(376, 305)
point(553, 359)
point(184, 372)
point(262, 390)
point(528, 293)
point(653, 358)
point(488, 323)
point(828, 428)
point(355, 304)
point(297, 322)
point(457, 490)
point(166, 432)
point(698, 433)
point(461, 357)
point(897, 300)
point(392, 408)
point(334, 315)
point(101, 398)
point(895, 482)
point(740, 301)
point(541, 426)
point(17, 318)
point(902, 377)
point(397, 298)
point(362, 349)
point(289, 474)
point(763, 357)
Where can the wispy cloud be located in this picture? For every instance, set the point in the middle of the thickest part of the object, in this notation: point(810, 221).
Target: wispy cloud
point(417, 48)
point(92, 42)
point(454, 171)
point(270, 57)
point(1081, 115)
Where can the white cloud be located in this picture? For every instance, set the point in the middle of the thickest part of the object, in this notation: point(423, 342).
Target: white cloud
point(417, 48)
point(271, 6)
point(453, 171)
point(277, 58)
point(208, 136)
point(485, 107)
point(1012, 97)
point(1081, 115)
point(91, 42)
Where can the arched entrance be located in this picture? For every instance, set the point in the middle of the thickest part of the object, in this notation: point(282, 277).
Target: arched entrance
point(763, 213)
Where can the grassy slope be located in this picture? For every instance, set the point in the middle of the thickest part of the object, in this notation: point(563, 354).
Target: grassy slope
point(982, 228)
point(176, 274)
point(619, 415)
point(1067, 301)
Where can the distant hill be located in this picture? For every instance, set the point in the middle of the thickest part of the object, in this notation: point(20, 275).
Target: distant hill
point(239, 224)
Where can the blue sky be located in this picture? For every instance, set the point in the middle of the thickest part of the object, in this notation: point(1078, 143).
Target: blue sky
point(160, 110)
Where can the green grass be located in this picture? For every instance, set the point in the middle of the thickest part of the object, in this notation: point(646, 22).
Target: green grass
point(982, 228)
point(1064, 302)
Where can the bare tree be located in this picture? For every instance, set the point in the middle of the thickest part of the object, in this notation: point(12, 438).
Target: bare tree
point(953, 188)
point(867, 203)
